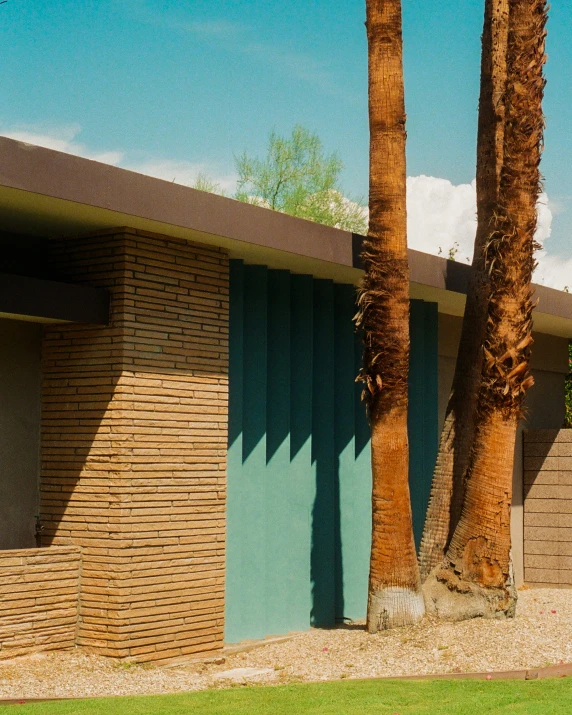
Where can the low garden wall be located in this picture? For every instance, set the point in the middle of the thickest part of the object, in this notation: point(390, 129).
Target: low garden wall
point(548, 508)
point(39, 596)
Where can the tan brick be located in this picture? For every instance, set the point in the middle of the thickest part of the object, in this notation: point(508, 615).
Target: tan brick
point(565, 548)
point(543, 561)
point(544, 491)
point(541, 449)
point(552, 506)
point(541, 533)
point(544, 464)
point(541, 435)
point(541, 519)
point(564, 449)
point(535, 477)
point(565, 534)
point(552, 548)
point(541, 575)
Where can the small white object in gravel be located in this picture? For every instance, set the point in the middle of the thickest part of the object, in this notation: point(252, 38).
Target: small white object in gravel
point(240, 674)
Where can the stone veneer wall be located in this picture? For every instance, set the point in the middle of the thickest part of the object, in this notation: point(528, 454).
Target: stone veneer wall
point(134, 437)
point(548, 507)
point(39, 591)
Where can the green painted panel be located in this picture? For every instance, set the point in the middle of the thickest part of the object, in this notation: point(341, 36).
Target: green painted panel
point(299, 463)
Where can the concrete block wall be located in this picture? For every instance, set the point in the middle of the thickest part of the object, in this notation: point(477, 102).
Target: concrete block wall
point(134, 436)
point(39, 590)
point(548, 507)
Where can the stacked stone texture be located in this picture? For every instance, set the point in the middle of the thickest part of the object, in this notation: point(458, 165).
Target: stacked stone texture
point(38, 599)
point(134, 433)
point(548, 507)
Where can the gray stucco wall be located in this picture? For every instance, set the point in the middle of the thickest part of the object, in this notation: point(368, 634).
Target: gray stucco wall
point(545, 407)
point(20, 372)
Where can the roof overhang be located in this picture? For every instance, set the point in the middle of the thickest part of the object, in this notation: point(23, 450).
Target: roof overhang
point(44, 192)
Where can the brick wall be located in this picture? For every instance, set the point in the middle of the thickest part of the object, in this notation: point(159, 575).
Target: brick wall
point(38, 599)
point(134, 434)
point(548, 507)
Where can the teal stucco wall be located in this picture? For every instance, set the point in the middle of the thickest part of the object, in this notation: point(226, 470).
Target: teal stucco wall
point(299, 481)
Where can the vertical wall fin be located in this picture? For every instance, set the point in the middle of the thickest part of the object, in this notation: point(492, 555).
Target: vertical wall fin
point(302, 476)
point(323, 557)
point(247, 518)
point(282, 538)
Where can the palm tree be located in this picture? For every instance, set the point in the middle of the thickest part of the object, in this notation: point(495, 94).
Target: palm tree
point(475, 577)
point(458, 431)
point(394, 597)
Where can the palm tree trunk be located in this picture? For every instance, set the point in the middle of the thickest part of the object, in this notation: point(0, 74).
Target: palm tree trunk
point(447, 490)
point(475, 577)
point(395, 597)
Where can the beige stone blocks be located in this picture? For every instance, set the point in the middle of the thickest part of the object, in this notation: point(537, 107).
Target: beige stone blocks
point(548, 507)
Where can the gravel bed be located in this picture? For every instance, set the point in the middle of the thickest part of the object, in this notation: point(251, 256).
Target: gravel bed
point(540, 635)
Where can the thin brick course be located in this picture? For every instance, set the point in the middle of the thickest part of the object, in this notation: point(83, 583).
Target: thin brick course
point(134, 436)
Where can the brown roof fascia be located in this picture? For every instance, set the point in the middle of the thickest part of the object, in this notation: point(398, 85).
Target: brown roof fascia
point(68, 178)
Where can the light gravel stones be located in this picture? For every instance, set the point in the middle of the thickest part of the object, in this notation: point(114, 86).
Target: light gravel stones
point(540, 635)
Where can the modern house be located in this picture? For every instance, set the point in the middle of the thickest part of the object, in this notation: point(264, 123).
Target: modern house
point(184, 458)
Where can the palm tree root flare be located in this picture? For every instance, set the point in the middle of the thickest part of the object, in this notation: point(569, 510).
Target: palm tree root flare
point(449, 596)
point(394, 607)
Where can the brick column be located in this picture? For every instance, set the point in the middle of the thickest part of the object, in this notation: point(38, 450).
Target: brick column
point(134, 433)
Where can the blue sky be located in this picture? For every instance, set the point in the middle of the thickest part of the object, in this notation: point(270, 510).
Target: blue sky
point(167, 86)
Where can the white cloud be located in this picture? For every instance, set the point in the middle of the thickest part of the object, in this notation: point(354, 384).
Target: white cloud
point(553, 271)
point(440, 214)
point(443, 216)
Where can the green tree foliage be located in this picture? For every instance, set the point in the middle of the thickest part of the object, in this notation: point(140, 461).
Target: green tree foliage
point(296, 177)
point(204, 183)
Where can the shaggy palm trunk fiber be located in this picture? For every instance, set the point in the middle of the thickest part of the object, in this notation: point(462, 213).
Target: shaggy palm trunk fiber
point(395, 597)
point(448, 487)
point(475, 577)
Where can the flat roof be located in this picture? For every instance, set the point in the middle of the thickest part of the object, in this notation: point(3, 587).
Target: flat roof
point(49, 193)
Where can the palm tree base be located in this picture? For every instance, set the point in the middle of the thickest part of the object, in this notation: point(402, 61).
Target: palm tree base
point(448, 597)
point(394, 607)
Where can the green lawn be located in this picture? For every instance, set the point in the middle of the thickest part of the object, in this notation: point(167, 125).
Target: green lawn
point(437, 697)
